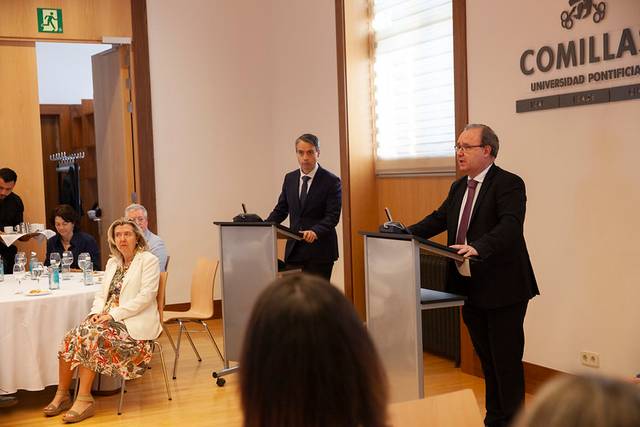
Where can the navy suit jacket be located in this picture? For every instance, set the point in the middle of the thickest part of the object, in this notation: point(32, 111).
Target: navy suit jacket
point(505, 275)
point(320, 213)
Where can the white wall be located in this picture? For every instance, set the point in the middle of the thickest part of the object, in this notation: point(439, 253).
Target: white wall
point(580, 167)
point(64, 71)
point(233, 84)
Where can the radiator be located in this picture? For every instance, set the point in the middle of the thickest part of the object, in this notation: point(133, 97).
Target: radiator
point(441, 326)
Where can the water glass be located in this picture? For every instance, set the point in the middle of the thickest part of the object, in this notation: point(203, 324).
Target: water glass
point(84, 262)
point(67, 260)
point(36, 271)
point(54, 278)
point(84, 259)
point(21, 258)
point(18, 274)
point(54, 259)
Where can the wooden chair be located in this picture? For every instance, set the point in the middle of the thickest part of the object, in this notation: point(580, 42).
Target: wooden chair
point(202, 285)
point(157, 347)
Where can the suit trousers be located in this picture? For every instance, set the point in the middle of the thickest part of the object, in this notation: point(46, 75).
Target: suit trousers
point(498, 338)
point(322, 269)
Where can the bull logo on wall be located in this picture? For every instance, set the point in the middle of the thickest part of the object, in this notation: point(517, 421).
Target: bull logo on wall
point(582, 9)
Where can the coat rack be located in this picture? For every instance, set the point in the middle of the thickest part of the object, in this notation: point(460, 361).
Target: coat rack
point(66, 160)
point(69, 178)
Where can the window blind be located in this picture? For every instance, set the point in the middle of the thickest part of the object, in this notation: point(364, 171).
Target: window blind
point(413, 86)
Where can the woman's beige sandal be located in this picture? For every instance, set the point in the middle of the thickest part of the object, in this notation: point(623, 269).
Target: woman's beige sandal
point(74, 417)
point(52, 410)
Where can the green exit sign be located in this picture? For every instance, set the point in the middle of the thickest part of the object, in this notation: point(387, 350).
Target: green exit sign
point(49, 20)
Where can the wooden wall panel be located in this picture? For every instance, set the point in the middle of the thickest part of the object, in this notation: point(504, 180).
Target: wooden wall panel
point(20, 128)
point(143, 125)
point(357, 156)
point(412, 198)
point(83, 20)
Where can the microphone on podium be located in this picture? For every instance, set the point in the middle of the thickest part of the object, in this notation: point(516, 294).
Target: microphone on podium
point(246, 217)
point(392, 226)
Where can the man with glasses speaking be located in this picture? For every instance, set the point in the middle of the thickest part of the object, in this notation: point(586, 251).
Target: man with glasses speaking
point(138, 214)
point(484, 218)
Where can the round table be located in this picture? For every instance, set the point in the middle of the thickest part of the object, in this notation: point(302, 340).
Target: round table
point(32, 327)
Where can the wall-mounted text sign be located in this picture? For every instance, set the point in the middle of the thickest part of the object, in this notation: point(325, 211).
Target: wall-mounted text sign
point(573, 55)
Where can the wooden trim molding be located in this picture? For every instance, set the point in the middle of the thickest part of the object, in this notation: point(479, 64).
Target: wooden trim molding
point(146, 184)
point(536, 375)
point(344, 149)
point(356, 149)
point(460, 63)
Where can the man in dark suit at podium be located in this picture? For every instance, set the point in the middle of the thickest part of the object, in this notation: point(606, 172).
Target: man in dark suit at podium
point(484, 217)
point(312, 198)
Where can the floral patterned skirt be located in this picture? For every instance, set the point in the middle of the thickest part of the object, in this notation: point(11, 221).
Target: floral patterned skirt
point(106, 349)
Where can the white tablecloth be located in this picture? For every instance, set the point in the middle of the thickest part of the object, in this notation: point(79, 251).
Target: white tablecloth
point(32, 327)
point(10, 238)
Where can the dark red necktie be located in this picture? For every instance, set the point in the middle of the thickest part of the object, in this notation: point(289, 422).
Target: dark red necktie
point(461, 237)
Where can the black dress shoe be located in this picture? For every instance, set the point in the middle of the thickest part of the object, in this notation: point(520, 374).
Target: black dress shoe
point(7, 401)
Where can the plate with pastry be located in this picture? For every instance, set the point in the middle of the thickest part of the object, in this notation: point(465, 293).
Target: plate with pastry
point(37, 292)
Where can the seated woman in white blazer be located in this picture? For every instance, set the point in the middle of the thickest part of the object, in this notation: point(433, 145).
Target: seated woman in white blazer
point(117, 336)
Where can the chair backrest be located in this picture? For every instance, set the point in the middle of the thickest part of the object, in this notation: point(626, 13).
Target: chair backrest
point(202, 284)
point(162, 286)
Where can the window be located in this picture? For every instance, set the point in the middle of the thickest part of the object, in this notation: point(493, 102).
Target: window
point(413, 86)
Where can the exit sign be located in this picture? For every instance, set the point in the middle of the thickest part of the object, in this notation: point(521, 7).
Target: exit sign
point(49, 20)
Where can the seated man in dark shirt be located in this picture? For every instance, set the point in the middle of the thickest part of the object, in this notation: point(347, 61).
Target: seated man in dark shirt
point(68, 238)
point(11, 213)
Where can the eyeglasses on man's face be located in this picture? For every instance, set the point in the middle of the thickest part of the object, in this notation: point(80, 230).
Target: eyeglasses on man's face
point(465, 147)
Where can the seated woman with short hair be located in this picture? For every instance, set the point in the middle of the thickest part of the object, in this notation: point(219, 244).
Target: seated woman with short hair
point(69, 238)
point(307, 360)
point(117, 336)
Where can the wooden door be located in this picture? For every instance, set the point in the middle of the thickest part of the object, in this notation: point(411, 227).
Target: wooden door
point(114, 137)
point(69, 128)
point(20, 130)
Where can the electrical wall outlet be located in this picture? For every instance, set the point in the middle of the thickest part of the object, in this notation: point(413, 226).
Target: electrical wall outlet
point(589, 358)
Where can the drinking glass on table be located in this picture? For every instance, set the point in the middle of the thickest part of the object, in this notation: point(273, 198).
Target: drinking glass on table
point(67, 260)
point(18, 274)
point(84, 262)
point(36, 271)
point(21, 258)
point(54, 259)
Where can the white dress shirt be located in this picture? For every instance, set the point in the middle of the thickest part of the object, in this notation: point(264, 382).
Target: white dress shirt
point(464, 269)
point(310, 175)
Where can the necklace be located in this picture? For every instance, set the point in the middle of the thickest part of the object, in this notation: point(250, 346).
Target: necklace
point(125, 265)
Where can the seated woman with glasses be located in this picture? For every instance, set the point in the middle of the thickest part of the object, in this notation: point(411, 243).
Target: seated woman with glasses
point(69, 238)
point(307, 360)
point(117, 336)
